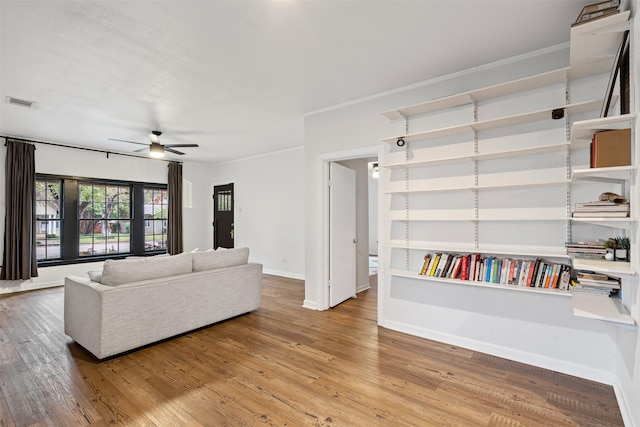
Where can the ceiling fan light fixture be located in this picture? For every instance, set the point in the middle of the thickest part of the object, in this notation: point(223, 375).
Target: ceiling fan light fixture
point(156, 150)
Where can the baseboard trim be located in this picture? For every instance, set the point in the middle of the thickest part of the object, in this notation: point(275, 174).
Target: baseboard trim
point(623, 404)
point(284, 274)
point(311, 305)
point(29, 286)
point(506, 353)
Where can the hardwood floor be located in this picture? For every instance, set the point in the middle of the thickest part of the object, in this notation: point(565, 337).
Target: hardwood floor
point(282, 365)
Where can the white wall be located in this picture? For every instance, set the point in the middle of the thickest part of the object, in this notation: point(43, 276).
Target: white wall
point(360, 126)
point(269, 208)
point(82, 163)
point(536, 329)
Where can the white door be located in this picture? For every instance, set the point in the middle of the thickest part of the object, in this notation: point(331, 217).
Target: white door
point(342, 234)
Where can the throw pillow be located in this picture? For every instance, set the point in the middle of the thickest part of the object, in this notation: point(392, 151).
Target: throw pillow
point(95, 275)
point(220, 259)
point(118, 272)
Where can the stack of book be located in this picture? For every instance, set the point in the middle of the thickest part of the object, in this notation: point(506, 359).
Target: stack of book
point(590, 250)
point(600, 208)
point(590, 282)
point(599, 10)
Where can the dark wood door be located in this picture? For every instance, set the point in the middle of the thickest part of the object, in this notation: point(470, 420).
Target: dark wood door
point(223, 216)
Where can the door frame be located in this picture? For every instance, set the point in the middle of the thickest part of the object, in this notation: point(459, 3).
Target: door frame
point(323, 160)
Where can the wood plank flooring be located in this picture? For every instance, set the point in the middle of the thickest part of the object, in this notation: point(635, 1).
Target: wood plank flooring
point(282, 365)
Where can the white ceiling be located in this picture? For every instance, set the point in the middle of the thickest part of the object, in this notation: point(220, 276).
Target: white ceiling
point(237, 77)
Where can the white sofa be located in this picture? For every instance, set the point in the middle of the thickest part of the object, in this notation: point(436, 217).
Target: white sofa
point(135, 302)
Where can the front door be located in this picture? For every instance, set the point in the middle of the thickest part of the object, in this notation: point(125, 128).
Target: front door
point(223, 216)
point(342, 234)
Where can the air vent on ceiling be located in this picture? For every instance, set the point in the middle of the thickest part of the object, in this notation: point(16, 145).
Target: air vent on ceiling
point(18, 101)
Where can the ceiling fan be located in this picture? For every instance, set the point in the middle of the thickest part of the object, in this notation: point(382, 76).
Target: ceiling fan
point(155, 148)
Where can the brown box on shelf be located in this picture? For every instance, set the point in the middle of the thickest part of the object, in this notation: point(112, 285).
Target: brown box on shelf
point(611, 148)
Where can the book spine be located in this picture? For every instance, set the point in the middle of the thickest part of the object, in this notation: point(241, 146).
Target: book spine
point(425, 264)
point(456, 268)
point(436, 261)
point(488, 266)
point(534, 274)
point(464, 268)
point(441, 265)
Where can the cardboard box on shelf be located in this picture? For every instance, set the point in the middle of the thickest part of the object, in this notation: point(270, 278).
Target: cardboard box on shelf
point(611, 148)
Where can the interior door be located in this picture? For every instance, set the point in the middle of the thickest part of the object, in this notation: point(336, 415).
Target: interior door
point(342, 234)
point(223, 233)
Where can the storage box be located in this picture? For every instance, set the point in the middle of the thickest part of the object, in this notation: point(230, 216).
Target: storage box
point(611, 148)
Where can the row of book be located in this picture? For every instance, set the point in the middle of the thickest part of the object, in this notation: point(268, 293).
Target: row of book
point(594, 283)
point(518, 272)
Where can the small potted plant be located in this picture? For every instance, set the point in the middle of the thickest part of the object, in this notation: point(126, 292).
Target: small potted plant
point(610, 246)
point(622, 248)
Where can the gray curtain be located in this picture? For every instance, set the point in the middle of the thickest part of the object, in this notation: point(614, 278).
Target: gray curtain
point(19, 260)
point(174, 228)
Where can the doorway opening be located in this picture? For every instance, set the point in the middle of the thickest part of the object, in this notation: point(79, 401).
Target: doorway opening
point(366, 233)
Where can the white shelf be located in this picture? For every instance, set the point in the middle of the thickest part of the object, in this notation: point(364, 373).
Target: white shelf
point(413, 275)
point(582, 131)
point(594, 44)
point(532, 116)
point(481, 187)
point(621, 223)
point(550, 148)
point(605, 308)
point(448, 216)
point(496, 91)
point(518, 251)
point(603, 266)
point(613, 174)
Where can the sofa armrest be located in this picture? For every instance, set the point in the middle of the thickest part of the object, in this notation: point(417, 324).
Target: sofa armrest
point(83, 311)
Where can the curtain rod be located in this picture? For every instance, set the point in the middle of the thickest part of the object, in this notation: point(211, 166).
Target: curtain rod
point(83, 148)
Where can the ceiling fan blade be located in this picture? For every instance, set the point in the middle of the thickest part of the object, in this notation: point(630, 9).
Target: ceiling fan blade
point(173, 151)
point(141, 150)
point(130, 142)
point(181, 145)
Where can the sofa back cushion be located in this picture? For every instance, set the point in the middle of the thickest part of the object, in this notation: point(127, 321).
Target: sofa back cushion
point(210, 260)
point(119, 272)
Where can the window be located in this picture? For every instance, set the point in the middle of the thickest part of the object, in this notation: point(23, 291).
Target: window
point(104, 219)
point(48, 198)
point(155, 215)
point(83, 219)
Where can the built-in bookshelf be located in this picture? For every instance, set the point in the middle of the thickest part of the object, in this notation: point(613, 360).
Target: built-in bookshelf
point(467, 186)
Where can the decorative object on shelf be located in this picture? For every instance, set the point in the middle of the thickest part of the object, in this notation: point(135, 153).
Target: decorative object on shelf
point(613, 197)
point(610, 246)
point(622, 246)
point(611, 148)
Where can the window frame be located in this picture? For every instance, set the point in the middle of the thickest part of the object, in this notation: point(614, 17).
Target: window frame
point(69, 221)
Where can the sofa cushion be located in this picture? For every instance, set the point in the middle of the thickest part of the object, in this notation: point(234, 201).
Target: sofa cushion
point(220, 259)
point(118, 272)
